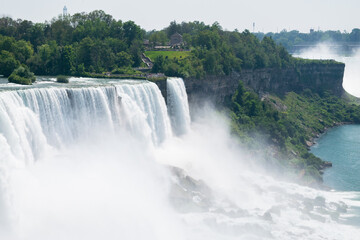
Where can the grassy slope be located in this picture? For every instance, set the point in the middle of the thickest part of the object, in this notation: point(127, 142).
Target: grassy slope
point(169, 54)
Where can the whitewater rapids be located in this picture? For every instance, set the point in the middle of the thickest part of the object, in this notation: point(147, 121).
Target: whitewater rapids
point(113, 161)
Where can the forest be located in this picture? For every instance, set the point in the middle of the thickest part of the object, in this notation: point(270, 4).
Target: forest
point(97, 43)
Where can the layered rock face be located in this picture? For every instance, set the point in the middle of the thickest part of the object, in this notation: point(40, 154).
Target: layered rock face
point(317, 77)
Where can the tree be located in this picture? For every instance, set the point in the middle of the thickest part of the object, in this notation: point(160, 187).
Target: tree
point(67, 60)
point(124, 59)
point(159, 64)
point(355, 35)
point(37, 34)
point(8, 63)
point(173, 28)
point(131, 32)
point(23, 50)
point(210, 62)
point(46, 60)
point(158, 38)
point(61, 31)
point(84, 51)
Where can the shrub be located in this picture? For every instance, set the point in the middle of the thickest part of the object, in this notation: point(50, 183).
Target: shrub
point(126, 71)
point(22, 75)
point(62, 79)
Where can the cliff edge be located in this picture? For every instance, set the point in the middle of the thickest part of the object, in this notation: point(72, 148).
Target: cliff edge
point(318, 77)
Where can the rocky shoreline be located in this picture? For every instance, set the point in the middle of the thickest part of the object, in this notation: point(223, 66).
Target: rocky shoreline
point(313, 140)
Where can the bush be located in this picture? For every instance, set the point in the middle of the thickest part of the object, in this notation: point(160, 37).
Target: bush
point(62, 79)
point(126, 71)
point(22, 75)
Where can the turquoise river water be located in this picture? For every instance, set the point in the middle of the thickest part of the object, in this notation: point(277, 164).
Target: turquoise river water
point(341, 146)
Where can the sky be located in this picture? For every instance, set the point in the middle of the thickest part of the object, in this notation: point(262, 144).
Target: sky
point(268, 15)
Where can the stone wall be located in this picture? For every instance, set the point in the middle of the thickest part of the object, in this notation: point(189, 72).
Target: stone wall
point(163, 87)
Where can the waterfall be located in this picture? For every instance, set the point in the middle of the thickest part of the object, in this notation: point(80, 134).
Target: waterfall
point(113, 161)
point(33, 121)
point(178, 106)
point(61, 115)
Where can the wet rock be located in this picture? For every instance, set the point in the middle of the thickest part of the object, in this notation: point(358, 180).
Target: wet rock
point(267, 216)
point(188, 194)
point(319, 201)
point(327, 164)
point(276, 209)
point(309, 144)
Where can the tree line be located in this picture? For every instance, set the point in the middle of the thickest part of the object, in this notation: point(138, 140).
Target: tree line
point(218, 52)
point(291, 38)
point(70, 45)
point(96, 43)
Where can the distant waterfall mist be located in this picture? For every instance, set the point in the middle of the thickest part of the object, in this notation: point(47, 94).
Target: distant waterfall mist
point(351, 81)
point(115, 162)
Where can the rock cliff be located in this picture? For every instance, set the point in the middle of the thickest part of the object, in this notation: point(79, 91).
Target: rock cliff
point(317, 77)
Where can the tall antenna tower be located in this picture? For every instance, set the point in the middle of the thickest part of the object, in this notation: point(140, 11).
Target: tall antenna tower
point(65, 11)
point(253, 27)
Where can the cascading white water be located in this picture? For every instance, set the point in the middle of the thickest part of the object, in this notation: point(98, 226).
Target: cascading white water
point(178, 105)
point(66, 114)
point(33, 121)
point(84, 163)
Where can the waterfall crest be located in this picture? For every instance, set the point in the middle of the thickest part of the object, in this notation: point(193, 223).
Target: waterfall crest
point(30, 118)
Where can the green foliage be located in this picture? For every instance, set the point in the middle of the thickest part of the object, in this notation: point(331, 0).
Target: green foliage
point(93, 42)
point(159, 64)
point(124, 59)
point(8, 63)
point(22, 50)
point(125, 70)
point(302, 61)
point(288, 124)
point(219, 52)
point(158, 38)
point(22, 75)
point(62, 79)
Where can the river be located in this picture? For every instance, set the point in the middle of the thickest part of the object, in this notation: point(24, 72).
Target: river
point(341, 146)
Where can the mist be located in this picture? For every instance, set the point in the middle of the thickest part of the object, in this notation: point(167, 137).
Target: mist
point(351, 82)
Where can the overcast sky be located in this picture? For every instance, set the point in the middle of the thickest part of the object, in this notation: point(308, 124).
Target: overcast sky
point(268, 15)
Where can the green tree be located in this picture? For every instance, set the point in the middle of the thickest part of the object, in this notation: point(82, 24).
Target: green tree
point(8, 63)
point(67, 60)
point(157, 38)
point(159, 64)
point(23, 50)
point(124, 59)
point(132, 32)
point(84, 51)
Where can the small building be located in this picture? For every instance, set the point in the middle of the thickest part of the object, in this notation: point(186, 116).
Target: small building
point(161, 47)
point(146, 42)
point(176, 40)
